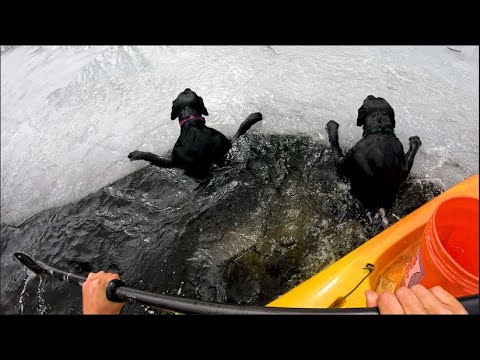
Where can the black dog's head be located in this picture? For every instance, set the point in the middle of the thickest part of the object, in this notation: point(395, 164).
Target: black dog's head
point(372, 105)
point(188, 103)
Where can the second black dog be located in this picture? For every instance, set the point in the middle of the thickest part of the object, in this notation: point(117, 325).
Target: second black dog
point(376, 165)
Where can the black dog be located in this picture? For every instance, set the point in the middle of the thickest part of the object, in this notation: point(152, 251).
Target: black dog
point(198, 146)
point(376, 165)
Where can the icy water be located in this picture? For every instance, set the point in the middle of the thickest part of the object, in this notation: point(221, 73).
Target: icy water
point(273, 216)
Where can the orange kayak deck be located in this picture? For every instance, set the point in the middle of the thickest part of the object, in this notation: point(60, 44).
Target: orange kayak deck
point(389, 252)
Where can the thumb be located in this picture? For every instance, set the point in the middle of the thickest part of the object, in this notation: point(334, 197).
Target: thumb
point(371, 297)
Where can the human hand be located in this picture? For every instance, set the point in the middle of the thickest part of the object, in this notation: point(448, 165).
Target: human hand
point(94, 294)
point(415, 300)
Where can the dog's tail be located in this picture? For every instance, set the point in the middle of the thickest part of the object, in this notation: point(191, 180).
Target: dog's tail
point(247, 124)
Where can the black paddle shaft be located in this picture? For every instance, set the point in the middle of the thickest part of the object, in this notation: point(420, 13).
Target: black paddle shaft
point(117, 292)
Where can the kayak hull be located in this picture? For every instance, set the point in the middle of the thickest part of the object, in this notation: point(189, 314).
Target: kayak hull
point(389, 252)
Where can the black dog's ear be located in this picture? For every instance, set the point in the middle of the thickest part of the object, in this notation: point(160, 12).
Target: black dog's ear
point(361, 116)
point(175, 111)
point(393, 118)
point(203, 108)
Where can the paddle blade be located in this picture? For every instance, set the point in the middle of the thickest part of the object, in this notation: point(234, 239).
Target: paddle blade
point(27, 261)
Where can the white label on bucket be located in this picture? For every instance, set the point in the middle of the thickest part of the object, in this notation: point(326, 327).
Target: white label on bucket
point(414, 273)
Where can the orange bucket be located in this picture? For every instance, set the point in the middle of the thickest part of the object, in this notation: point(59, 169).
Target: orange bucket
point(448, 255)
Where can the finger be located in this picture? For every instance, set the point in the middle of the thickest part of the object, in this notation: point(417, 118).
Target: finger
point(89, 277)
point(388, 304)
point(111, 276)
point(97, 274)
point(448, 299)
point(429, 301)
point(371, 297)
point(409, 301)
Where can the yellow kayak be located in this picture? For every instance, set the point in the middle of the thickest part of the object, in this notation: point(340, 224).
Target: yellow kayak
point(387, 254)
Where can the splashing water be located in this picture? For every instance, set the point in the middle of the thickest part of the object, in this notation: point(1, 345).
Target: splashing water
point(148, 309)
point(30, 275)
point(42, 306)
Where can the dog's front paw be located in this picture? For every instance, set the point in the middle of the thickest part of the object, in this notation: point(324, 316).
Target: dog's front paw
point(135, 155)
point(255, 117)
point(415, 140)
point(332, 125)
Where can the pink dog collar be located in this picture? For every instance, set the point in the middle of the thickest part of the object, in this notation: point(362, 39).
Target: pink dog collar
point(192, 117)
